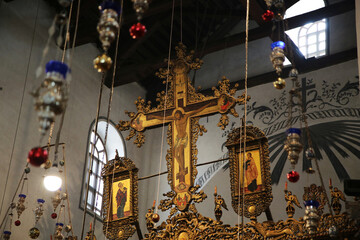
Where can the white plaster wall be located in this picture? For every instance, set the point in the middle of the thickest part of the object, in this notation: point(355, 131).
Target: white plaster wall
point(16, 24)
point(16, 27)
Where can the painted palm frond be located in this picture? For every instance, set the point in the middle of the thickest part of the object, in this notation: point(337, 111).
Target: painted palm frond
point(335, 140)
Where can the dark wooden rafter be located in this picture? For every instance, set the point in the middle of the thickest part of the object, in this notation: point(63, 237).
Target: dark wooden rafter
point(311, 64)
point(239, 38)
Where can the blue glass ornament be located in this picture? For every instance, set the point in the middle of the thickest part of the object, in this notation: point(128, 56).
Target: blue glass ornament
point(313, 203)
point(22, 196)
point(279, 44)
point(293, 130)
point(40, 200)
point(57, 67)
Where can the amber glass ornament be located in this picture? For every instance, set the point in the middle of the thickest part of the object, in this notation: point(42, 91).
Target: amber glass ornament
point(279, 83)
point(293, 176)
point(37, 156)
point(155, 217)
point(137, 30)
point(34, 233)
point(268, 16)
point(102, 63)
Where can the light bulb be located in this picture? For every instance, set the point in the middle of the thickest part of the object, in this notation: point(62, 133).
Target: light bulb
point(52, 180)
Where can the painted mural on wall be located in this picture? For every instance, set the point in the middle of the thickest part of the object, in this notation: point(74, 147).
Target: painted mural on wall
point(332, 138)
point(331, 99)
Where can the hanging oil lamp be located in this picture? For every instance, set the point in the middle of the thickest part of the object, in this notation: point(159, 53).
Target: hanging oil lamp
point(39, 211)
point(20, 207)
point(311, 216)
point(6, 235)
point(108, 25)
point(58, 235)
point(138, 30)
point(277, 56)
point(51, 96)
point(140, 6)
point(55, 200)
point(293, 145)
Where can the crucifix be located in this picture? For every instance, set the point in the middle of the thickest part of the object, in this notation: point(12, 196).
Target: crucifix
point(181, 109)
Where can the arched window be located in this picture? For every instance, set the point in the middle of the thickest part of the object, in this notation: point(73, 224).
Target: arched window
point(100, 152)
point(310, 38)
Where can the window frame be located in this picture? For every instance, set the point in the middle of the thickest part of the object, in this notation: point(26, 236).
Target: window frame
point(92, 210)
point(327, 36)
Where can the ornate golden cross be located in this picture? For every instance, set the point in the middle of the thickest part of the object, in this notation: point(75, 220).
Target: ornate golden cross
point(181, 109)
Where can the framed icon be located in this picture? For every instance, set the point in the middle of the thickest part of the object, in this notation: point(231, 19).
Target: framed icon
point(250, 178)
point(120, 199)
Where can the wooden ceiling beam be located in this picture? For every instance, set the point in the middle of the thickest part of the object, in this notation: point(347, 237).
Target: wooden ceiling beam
point(311, 64)
point(254, 34)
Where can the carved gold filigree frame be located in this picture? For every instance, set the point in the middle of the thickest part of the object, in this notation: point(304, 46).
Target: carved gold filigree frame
point(116, 170)
point(257, 202)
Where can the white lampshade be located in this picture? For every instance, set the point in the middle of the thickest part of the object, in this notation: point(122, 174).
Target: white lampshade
point(52, 180)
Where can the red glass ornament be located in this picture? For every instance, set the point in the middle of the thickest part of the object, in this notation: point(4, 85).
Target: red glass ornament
point(53, 215)
point(293, 176)
point(268, 16)
point(137, 30)
point(37, 156)
point(17, 223)
point(155, 217)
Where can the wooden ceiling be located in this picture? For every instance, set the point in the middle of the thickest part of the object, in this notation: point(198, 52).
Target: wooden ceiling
point(206, 25)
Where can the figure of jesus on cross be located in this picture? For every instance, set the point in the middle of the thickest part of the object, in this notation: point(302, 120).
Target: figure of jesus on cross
point(181, 122)
point(184, 106)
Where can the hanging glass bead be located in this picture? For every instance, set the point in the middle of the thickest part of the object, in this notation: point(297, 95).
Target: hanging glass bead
point(51, 96)
point(17, 223)
point(39, 210)
point(108, 25)
point(268, 16)
point(53, 215)
point(140, 6)
point(20, 207)
point(311, 216)
point(102, 63)
point(37, 156)
point(293, 176)
point(58, 235)
point(34, 233)
point(293, 144)
point(6, 235)
point(277, 56)
point(137, 30)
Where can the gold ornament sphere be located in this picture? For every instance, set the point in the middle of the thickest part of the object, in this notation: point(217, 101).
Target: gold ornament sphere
point(102, 63)
point(252, 209)
point(120, 233)
point(279, 83)
point(34, 233)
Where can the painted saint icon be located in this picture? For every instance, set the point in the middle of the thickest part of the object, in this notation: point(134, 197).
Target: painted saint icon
point(252, 176)
point(121, 199)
